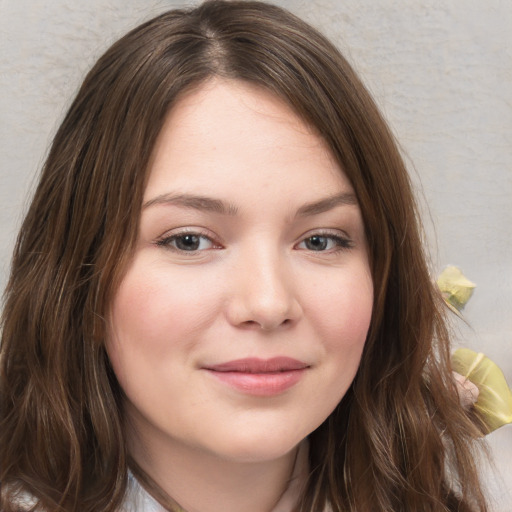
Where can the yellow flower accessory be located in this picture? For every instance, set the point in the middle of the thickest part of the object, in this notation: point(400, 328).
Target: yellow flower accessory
point(455, 287)
point(494, 403)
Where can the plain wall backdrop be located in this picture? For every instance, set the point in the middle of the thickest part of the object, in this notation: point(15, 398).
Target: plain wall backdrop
point(441, 72)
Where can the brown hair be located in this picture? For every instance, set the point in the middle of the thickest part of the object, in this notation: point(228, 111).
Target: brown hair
point(398, 440)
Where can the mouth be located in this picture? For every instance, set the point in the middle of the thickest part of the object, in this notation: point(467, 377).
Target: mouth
point(259, 377)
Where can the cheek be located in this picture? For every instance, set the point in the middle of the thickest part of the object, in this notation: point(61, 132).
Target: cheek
point(342, 315)
point(343, 307)
point(155, 312)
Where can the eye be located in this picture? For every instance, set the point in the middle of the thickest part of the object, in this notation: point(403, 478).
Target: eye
point(325, 242)
point(187, 242)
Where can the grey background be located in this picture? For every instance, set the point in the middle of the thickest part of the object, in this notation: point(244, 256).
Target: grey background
point(441, 72)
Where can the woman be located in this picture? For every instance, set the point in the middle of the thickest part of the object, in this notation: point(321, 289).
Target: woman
point(219, 291)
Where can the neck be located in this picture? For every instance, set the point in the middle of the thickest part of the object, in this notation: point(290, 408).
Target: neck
point(200, 481)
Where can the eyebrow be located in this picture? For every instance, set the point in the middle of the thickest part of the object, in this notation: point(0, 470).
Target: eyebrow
point(195, 202)
point(324, 205)
point(209, 204)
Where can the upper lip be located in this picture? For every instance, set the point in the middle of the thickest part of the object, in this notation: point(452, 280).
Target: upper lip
point(257, 365)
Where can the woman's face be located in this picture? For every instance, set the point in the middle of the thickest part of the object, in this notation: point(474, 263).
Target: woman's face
point(240, 321)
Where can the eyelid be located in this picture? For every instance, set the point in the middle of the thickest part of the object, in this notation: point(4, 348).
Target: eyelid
point(345, 242)
point(166, 238)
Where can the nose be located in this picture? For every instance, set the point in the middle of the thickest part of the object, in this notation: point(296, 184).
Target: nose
point(263, 292)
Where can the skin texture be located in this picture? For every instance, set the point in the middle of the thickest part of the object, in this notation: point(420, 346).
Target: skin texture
point(257, 284)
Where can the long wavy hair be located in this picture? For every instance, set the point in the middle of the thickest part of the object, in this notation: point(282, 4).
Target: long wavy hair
point(397, 441)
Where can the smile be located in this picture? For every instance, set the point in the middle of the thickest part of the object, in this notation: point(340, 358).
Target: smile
point(259, 377)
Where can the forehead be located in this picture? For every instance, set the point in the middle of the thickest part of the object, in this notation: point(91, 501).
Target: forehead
point(231, 134)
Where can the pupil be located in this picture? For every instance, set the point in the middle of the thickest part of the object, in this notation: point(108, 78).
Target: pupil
point(188, 242)
point(316, 243)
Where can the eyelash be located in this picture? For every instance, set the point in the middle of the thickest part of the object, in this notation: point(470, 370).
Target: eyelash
point(168, 240)
point(341, 243)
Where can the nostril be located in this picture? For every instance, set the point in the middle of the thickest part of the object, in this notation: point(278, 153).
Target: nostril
point(264, 326)
point(269, 326)
point(263, 307)
point(250, 325)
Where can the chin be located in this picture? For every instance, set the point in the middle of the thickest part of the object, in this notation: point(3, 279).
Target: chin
point(257, 446)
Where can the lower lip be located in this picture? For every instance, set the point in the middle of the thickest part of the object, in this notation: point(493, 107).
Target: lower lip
point(260, 384)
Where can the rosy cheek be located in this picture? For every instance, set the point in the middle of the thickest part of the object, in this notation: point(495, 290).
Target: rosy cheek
point(157, 307)
point(132, 311)
point(344, 309)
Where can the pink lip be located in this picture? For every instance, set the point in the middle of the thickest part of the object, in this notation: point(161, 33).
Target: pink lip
point(260, 377)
